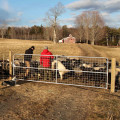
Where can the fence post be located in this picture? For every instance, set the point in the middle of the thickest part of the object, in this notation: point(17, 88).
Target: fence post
point(3, 63)
point(113, 70)
point(10, 65)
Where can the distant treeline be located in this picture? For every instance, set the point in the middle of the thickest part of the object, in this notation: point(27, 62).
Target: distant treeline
point(110, 36)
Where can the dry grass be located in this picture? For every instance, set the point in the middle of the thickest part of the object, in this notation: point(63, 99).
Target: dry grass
point(37, 101)
point(19, 47)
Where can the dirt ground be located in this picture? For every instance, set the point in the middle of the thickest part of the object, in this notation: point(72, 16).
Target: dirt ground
point(41, 101)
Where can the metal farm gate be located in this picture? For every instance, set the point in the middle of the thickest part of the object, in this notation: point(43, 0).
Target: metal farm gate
point(67, 70)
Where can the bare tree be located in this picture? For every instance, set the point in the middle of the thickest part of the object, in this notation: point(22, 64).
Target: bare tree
point(92, 24)
point(47, 33)
point(53, 15)
point(13, 34)
point(86, 19)
point(80, 29)
point(97, 27)
point(28, 33)
point(83, 25)
point(3, 29)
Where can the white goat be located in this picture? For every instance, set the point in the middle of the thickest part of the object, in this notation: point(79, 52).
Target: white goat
point(86, 65)
point(98, 68)
point(60, 67)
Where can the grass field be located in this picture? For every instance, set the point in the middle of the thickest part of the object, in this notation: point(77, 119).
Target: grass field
point(38, 101)
point(19, 47)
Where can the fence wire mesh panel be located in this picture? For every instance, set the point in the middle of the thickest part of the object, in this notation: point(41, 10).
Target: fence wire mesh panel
point(4, 67)
point(68, 70)
point(117, 82)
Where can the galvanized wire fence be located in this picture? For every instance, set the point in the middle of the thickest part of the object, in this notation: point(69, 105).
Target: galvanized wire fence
point(68, 70)
point(117, 77)
point(4, 67)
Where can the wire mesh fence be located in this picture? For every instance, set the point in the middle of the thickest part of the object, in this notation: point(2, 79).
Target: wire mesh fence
point(117, 77)
point(68, 70)
point(4, 66)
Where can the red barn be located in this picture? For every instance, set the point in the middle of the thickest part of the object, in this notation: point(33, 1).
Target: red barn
point(69, 39)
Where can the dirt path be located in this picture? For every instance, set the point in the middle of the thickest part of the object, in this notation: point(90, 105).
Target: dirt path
point(89, 50)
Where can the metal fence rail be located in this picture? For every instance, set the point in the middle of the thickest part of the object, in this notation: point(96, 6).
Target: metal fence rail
point(68, 70)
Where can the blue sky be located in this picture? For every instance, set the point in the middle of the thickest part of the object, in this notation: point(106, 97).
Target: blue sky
point(32, 12)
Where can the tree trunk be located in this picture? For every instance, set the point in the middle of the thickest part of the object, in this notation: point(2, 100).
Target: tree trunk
point(112, 38)
point(80, 39)
point(2, 34)
point(119, 41)
point(107, 40)
point(54, 36)
point(87, 39)
point(93, 42)
point(28, 35)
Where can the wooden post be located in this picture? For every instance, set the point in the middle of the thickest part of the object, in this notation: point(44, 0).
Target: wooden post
point(113, 70)
point(10, 65)
point(3, 63)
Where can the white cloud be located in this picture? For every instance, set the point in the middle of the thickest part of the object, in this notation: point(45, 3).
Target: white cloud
point(68, 20)
point(11, 20)
point(26, 26)
point(111, 20)
point(36, 21)
point(73, 14)
point(7, 14)
point(112, 6)
point(5, 6)
point(83, 4)
point(105, 14)
point(108, 6)
point(19, 14)
point(69, 26)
